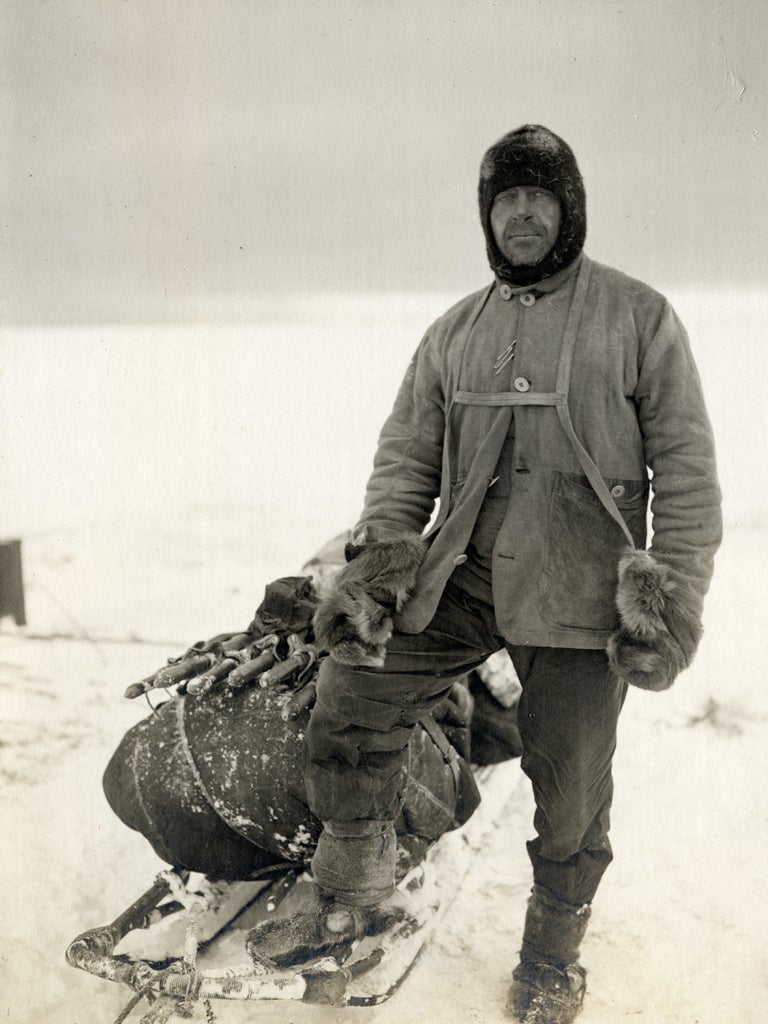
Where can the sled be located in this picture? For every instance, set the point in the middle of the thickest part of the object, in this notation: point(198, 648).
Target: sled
point(183, 941)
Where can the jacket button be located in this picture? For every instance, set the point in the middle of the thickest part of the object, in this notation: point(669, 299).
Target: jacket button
point(527, 299)
point(521, 384)
point(505, 291)
point(459, 559)
point(617, 491)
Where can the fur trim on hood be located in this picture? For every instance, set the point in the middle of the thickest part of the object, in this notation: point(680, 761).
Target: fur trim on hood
point(533, 155)
point(660, 625)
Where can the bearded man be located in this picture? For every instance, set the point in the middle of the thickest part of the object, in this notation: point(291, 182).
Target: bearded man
point(533, 410)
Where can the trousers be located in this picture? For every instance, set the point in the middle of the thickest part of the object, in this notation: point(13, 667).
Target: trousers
point(356, 740)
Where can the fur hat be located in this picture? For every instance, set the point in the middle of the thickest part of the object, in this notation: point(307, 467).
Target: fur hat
point(533, 155)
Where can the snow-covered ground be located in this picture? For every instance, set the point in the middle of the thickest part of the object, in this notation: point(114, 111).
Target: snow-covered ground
point(677, 933)
point(158, 490)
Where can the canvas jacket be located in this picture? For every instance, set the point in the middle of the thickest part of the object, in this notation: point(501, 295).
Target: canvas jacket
point(629, 388)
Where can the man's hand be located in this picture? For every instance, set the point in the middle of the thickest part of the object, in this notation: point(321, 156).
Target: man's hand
point(660, 625)
point(354, 620)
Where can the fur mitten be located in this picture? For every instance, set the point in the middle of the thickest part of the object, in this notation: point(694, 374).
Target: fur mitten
point(354, 619)
point(660, 625)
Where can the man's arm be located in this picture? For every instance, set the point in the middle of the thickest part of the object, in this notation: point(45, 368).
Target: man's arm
point(680, 451)
point(405, 481)
point(661, 592)
point(354, 620)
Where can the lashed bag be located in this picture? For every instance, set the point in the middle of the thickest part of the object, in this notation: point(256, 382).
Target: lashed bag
point(215, 782)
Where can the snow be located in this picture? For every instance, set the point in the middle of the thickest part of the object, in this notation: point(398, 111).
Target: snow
point(155, 496)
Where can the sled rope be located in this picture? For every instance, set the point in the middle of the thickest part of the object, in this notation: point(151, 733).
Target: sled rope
point(133, 1001)
point(165, 1010)
point(191, 937)
point(144, 993)
point(206, 897)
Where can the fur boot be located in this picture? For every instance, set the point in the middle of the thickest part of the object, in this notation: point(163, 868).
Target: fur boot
point(660, 623)
point(354, 868)
point(548, 985)
point(325, 928)
point(354, 619)
point(355, 861)
point(543, 994)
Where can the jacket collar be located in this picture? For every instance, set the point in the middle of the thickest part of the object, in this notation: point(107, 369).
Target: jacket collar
point(549, 284)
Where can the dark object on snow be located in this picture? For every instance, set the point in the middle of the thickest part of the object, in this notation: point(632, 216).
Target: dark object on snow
point(11, 582)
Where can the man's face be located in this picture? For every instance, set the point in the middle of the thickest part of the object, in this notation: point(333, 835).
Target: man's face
point(525, 221)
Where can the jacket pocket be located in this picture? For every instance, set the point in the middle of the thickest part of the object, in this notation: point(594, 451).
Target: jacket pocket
point(582, 550)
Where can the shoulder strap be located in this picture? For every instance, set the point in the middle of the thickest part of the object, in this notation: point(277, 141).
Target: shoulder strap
point(591, 471)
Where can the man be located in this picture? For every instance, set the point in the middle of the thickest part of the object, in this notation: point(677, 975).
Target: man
point(533, 410)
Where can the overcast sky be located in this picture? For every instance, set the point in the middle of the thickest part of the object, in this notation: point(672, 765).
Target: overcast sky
point(183, 159)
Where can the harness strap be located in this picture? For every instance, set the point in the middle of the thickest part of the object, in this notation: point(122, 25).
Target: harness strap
point(591, 471)
point(559, 400)
point(509, 398)
point(438, 737)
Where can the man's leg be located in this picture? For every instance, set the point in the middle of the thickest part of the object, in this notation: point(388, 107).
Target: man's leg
point(355, 757)
point(357, 738)
point(568, 715)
